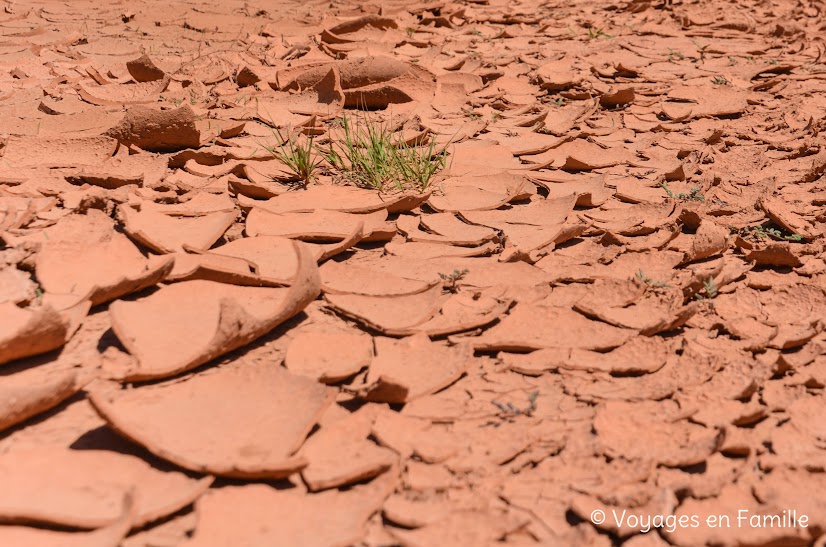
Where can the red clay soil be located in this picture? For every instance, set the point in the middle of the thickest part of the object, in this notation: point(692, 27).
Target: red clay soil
point(600, 324)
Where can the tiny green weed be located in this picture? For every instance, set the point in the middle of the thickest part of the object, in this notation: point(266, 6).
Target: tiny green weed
point(297, 156)
point(594, 33)
point(648, 281)
point(693, 195)
point(449, 280)
point(763, 232)
point(709, 291)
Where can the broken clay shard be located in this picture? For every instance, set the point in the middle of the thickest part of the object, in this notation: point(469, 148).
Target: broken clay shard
point(212, 317)
point(87, 487)
point(255, 433)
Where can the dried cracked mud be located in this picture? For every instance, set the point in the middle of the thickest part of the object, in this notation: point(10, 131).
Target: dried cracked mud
point(609, 301)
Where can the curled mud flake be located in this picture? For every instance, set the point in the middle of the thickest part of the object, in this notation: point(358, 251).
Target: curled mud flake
point(798, 490)
point(409, 436)
point(433, 251)
point(157, 130)
point(692, 368)
point(531, 230)
point(214, 319)
point(88, 487)
point(25, 332)
point(794, 448)
point(16, 286)
point(255, 436)
point(460, 233)
point(123, 94)
point(363, 28)
point(776, 253)
point(582, 155)
point(29, 392)
point(637, 356)
point(480, 158)
point(110, 535)
point(590, 190)
point(389, 314)
point(662, 503)
point(717, 472)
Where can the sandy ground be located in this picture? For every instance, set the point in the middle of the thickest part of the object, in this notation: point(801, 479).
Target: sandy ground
point(604, 316)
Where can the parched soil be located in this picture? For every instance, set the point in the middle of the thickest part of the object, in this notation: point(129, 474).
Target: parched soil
point(603, 317)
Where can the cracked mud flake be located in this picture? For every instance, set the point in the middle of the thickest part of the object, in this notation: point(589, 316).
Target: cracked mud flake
point(651, 312)
point(410, 436)
point(427, 251)
point(213, 317)
point(403, 370)
point(166, 233)
point(37, 329)
point(258, 514)
point(28, 152)
point(353, 279)
point(323, 97)
point(531, 327)
point(329, 356)
point(480, 192)
point(347, 199)
point(693, 368)
point(254, 435)
point(673, 441)
point(106, 536)
point(340, 452)
point(476, 527)
point(463, 234)
point(84, 255)
point(687, 102)
point(534, 105)
point(87, 487)
point(29, 392)
point(389, 313)
point(590, 190)
point(319, 225)
point(532, 227)
point(637, 356)
point(733, 499)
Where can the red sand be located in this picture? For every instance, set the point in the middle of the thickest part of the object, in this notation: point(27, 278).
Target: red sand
point(611, 302)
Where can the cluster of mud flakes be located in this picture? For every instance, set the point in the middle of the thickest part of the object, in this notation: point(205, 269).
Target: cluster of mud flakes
point(611, 298)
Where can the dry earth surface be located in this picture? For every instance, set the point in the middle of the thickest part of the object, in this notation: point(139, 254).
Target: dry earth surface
point(611, 298)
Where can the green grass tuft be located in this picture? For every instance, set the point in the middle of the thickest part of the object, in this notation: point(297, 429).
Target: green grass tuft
point(371, 156)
